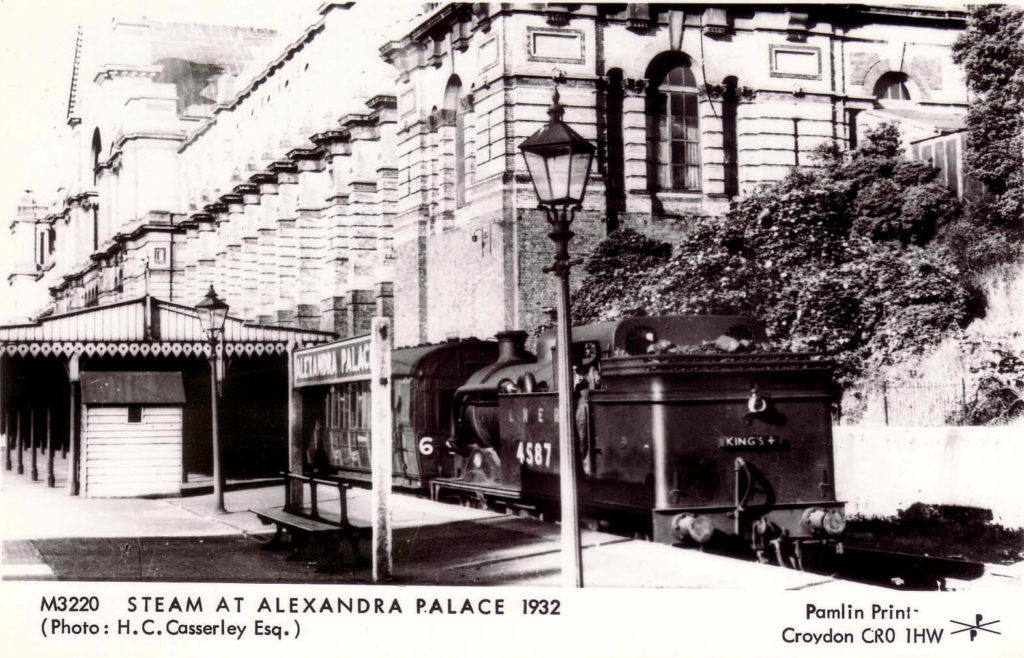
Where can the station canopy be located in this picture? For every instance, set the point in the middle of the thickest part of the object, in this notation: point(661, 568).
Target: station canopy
point(146, 326)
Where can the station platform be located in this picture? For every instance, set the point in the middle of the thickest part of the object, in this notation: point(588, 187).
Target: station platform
point(48, 534)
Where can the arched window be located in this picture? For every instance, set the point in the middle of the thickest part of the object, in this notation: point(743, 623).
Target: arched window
point(892, 86)
point(673, 130)
point(97, 148)
point(455, 116)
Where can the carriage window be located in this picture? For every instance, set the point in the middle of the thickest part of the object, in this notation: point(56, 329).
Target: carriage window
point(348, 425)
point(673, 137)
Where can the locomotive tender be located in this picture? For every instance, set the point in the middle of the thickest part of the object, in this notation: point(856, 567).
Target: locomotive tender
point(685, 432)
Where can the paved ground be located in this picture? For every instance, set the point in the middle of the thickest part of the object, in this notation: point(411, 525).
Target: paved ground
point(48, 534)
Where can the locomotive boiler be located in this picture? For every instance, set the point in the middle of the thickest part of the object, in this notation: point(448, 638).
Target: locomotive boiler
point(685, 428)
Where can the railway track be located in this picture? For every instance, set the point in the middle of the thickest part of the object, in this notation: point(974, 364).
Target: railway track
point(895, 570)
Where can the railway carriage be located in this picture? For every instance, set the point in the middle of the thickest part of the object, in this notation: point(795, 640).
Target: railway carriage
point(424, 380)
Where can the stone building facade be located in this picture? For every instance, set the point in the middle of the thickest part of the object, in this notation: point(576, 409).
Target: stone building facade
point(276, 187)
point(371, 165)
point(689, 106)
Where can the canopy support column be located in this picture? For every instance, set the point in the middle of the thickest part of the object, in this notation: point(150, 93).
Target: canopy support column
point(51, 481)
point(74, 382)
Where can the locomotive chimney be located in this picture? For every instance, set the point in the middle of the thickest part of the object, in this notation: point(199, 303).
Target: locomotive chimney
point(511, 347)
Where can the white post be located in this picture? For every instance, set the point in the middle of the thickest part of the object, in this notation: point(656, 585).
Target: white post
point(381, 428)
point(293, 488)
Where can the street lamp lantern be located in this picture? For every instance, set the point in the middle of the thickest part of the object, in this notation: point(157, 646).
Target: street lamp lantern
point(213, 312)
point(559, 161)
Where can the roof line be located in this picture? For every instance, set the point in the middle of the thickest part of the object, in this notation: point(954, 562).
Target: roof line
point(73, 89)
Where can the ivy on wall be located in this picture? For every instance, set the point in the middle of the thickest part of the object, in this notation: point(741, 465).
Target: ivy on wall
point(991, 53)
point(842, 258)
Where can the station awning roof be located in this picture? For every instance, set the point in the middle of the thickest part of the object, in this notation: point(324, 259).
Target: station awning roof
point(146, 326)
point(132, 388)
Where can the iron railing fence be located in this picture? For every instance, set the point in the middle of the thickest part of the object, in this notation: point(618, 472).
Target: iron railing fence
point(924, 403)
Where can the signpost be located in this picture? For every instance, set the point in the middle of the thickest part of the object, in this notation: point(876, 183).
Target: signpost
point(381, 427)
point(359, 359)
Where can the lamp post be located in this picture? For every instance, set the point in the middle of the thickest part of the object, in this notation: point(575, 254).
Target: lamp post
point(212, 314)
point(559, 161)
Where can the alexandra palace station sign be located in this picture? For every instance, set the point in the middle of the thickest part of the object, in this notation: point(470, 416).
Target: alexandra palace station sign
point(344, 361)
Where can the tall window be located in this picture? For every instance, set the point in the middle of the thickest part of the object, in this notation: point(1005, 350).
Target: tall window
point(673, 131)
point(455, 114)
point(97, 149)
point(892, 86)
point(730, 151)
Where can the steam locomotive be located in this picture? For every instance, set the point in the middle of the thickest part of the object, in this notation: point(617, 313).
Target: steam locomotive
point(685, 430)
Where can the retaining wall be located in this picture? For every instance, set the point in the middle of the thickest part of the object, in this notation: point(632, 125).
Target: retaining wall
point(880, 470)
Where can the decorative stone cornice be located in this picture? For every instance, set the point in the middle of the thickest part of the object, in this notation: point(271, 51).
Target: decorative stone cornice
point(328, 137)
point(305, 154)
point(263, 178)
point(357, 120)
point(86, 199)
point(113, 71)
point(282, 167)
point(638, 18)
point(634, 86)
point(383, 108)
point(719, 92)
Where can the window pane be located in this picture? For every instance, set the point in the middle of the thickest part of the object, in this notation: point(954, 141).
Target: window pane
point(678, 130)
point(693, 178)
point(677, 104)
point(692, 154)
point(679, 177)
point(688, 79)
point(679, 150)
point(675, 77)
point(691, 105)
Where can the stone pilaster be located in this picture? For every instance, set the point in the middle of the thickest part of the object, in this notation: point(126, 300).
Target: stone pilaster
point(362, 305)
point(287, 264)
point(312, 188)
point(334, 315)
point(248, 257)
point(229, 247)
point(266, 248)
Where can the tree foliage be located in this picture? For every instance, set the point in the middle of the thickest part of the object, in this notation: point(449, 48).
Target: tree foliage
point(840, 258)
point(991, 52)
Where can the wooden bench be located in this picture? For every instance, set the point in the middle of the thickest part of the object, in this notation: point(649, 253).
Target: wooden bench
point(301, 525)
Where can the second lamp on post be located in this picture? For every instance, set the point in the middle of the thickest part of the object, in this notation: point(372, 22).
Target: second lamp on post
point(559, 162)
point(213, 312)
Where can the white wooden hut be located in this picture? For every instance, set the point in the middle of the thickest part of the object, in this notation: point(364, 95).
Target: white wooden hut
point(131, 433)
